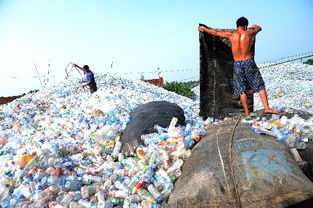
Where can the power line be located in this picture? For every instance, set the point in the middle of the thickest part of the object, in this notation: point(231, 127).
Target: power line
point(159, 72)
point(287, 59)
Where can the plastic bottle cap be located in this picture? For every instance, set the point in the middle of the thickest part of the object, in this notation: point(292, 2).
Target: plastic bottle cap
point(173, 178)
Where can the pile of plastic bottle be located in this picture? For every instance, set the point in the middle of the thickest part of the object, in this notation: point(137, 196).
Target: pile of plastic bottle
point(288, 85)
point(295, 132)
point(60, 147)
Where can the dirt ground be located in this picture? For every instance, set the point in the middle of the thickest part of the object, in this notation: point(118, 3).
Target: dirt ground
point(5, 100)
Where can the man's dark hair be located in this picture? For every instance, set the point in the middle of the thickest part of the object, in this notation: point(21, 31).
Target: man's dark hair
point(86, 67)
point(242, 21)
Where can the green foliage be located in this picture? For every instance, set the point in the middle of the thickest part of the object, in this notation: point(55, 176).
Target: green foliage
point(180, 88)
point(30, 92)
point(309, 61)
point(193, 83)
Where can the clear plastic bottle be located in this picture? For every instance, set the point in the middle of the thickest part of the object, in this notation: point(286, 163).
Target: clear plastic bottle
point(279, 136)
point(55, 180)
point(297, 157)
point(291, 140)
point(166, 159)
point(105, 204)
point(189, 142)
point(284, 120)
point(145, 195)
point(26, 192)
point(124, 172)
point(300, 144)
point(39, 175)
point(134, 180)
point(32, 163)
point(172, 125)
point(117, 149)
point(54, 189)
point(120, 156)
point(107, 184)
point(132, 163)
point(78, 196)
point(134, 198)
point(87, 179)
point(77, 157)
point(117, 194)
point(148, 174)
point(74, 204)
point(163, 180)
point(121, 186)
point(20, 174)
point(155, 193)
point(16, 193)
point(159, 129)
point(5, 202)
point(73, 185)
point(84, 192)
point(247, 121)
point(86, 204)
point(307, 129)
point(41, 194)
point(67, 199)
point(4, 192)
point(257, 130)
point(154, 159)
point(100, 196)
point(14, 202)
point(176, 165)
point(181, 154)
point(126, 203)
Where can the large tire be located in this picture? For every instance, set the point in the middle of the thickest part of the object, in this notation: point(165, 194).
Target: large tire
point(145, 117)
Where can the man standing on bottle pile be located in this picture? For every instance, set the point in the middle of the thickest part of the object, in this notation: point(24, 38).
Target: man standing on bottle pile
point(247, 77)
point(90, 78)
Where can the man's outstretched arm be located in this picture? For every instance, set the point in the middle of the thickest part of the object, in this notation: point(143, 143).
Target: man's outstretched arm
point(256, 28)
point(214, 32)
point(79, 67)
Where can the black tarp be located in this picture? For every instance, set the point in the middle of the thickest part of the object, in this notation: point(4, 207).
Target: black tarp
point(232, 166)
point(217, 98)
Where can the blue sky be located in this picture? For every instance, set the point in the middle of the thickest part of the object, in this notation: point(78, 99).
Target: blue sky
point(139, 36)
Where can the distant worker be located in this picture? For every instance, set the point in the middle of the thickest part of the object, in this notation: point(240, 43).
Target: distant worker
point(90, 78)
point(247, 77)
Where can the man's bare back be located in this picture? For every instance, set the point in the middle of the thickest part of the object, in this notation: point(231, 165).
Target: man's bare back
point(241, 40)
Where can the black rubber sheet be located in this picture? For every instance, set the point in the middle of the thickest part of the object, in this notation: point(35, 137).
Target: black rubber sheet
point(217, 97)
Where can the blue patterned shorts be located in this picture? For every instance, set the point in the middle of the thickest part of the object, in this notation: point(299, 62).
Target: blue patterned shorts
point(247, 76)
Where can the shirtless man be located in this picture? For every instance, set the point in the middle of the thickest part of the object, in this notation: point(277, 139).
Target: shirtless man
point(246, 74)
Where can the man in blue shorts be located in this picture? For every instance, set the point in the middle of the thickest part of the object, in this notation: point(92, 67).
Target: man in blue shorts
point(90, 78)
point(247, 77)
